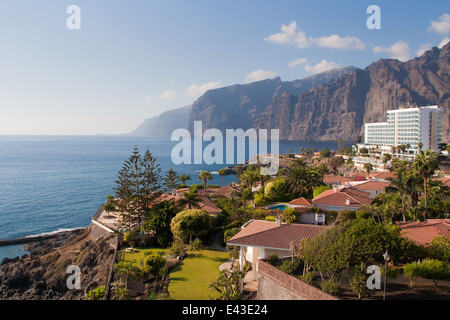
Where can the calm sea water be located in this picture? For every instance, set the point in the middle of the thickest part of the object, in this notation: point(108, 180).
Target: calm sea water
point(53, 183)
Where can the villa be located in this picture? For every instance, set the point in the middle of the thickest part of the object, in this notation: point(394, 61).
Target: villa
point(259, 239)
point(423, 233)
point(342, 198)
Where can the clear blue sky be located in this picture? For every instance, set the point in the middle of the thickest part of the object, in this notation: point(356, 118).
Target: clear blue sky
point(135, 59)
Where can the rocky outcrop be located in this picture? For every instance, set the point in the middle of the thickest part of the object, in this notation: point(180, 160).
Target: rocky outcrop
point(42, 275)
point(164, 124)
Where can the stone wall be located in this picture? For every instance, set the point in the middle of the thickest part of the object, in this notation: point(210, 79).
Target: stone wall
point(99, 231)
point(273, 284)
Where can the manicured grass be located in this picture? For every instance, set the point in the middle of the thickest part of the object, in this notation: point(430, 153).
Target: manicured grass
point(190, 279)
point(135, 257)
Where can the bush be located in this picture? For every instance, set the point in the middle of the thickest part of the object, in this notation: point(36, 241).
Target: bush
point(332, 287)
point(309, 278)
point(96, 294)
point(272, 259)
point(358, 283)
point(429, 268)
point(289, 267)
point(270, 218)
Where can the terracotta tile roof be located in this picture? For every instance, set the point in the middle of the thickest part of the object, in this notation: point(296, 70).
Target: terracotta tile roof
point(371, 185)
point(208, 206)
point(331, 178)
point(424, 232)
point(385, 175)
point(227, 190)
point(259, 233)
point(339, 197)
point(302, 202)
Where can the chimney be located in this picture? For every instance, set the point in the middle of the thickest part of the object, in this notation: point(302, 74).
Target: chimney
point(347, 201)
point(174, 192)
point(278, 221)
point(335, 187)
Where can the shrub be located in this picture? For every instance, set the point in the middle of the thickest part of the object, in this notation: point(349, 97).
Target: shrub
point(272, 259)
point(309, 278)
point(289, 267)
point(429, 268)
point(270, 218)
point(358, 283)
point(96, 294)
point(332, 287)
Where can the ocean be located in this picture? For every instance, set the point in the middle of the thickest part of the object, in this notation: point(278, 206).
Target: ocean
point(55, 183)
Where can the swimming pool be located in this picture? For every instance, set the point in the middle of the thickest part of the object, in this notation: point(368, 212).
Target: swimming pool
point(278, 206)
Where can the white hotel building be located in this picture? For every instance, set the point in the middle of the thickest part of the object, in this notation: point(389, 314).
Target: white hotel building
point(405, 126)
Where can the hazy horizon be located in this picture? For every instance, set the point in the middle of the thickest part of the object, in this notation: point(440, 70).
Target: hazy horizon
point(133, 61)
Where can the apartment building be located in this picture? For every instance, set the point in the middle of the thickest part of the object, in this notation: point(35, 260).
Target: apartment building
point(406, 126)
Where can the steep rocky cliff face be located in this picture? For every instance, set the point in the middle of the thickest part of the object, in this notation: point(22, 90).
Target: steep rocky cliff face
point(238, 106)
point(332, 107)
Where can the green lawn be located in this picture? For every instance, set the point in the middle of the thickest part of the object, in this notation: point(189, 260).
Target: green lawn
point(190, 279)
point(135, 257)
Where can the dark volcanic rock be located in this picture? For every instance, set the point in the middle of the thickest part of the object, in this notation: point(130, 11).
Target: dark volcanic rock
point(43, 274)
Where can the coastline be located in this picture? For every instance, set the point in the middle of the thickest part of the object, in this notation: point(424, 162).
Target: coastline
point(42, 274)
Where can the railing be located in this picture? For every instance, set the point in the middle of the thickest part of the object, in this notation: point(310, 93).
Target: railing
point(98, 212)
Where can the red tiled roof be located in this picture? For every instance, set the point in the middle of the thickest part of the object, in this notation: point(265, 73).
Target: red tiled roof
point(331, 178)
point(208, 206)
point(339, 197)
point(385, 175)
point(371, 185)
point(260, 234)
point(424, 232)
point(302, 202)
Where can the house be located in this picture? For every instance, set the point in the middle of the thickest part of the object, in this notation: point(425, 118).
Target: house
point(372, 187)
point(301, 203)
point(342, 198)
point(423, 233)
point(258, 239)
point(205, 204)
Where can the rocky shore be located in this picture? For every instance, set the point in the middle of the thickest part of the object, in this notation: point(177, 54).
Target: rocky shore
point(42, 275)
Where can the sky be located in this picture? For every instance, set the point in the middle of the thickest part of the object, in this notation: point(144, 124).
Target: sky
point(108, 65)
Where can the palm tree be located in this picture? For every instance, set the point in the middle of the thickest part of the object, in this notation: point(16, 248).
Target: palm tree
point(387, 157)
point(420, 145)
point(128, 273)
point(407, 184)
point(205, 175)
point(183, 178)
point(368, 166)
point(190, 199)
point(221, 173)
point(426, 163)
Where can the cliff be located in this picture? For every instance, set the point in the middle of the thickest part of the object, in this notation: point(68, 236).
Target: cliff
point(164, 124)
point(331, 106)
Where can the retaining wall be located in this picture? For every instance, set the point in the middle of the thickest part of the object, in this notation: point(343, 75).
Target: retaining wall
point(274, 284)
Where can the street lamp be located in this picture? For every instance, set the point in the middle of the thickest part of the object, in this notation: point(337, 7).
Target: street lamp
point(386, 257)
